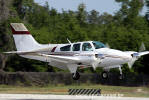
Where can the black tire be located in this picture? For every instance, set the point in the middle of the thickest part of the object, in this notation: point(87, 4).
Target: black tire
point(75, 76)
point(104, 75)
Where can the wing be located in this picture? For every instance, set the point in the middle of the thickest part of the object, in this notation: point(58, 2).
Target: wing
point(64, 62)
point(139, 53)
point(143, 53)
point(69, 61)
point(58, 56)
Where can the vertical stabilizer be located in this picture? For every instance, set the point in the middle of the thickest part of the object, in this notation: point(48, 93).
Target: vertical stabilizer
point(23, 39)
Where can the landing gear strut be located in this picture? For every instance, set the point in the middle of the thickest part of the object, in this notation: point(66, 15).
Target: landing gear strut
point(75, 76)
point(121, 76)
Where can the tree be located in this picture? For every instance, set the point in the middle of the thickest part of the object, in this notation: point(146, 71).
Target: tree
point(4, 10)
point(81, 14)
point(147, 13)
point(124, 30)
point(93, 17)
point(129, 11)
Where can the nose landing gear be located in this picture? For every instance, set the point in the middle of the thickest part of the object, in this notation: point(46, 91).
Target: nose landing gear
point(121, 76)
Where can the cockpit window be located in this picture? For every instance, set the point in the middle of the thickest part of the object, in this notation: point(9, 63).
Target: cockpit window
point(76, 47)
point(87, 47)
point(65, 48)
point(98, 45)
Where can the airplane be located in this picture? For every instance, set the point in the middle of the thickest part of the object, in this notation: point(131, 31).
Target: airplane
point(72, 56)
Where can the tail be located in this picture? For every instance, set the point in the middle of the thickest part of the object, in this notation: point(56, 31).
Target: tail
point(23, 39)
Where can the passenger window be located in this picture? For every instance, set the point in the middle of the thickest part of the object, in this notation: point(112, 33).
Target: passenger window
point(76, 47)
point(65, 48)
point(87, 47)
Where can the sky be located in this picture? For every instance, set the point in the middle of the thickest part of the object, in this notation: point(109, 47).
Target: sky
point(109, 6)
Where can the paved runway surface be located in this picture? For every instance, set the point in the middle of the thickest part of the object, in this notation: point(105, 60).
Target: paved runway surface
point(62, 97)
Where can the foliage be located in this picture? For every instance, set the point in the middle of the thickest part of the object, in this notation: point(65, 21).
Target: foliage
point(125, 30)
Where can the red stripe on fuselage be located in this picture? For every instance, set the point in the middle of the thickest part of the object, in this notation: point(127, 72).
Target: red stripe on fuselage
point(19, 32)
point(53, 49)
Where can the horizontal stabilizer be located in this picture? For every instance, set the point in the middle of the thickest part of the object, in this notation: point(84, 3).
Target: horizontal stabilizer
point(17, 52)
point(28, 52)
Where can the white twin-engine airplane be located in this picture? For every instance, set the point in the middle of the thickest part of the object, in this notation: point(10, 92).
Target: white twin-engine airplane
point(72, 56)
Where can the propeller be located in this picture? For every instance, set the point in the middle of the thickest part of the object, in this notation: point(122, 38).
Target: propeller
point(142, 47)
point(107, 45)
point(136, 55)
point(97, 60)
point(95, 64)
point(99, 57)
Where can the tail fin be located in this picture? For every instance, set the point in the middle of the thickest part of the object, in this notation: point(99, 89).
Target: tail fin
point(23, 39)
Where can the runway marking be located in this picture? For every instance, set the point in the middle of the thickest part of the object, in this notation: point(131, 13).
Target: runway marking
point(62, 97)
point(92, 92)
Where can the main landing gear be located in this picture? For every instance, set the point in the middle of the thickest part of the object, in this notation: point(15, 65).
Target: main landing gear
point(105, 75)
point(75, 76)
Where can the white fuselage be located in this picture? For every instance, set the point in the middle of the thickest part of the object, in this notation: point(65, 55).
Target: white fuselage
point(110, 57)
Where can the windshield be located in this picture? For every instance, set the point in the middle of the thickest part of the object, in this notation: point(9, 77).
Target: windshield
point(98, 45)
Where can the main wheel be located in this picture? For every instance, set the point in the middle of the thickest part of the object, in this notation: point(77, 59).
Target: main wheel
point(104, 75)
point(75, 76)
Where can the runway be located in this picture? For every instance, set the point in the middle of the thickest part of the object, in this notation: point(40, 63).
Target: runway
point(62, 97)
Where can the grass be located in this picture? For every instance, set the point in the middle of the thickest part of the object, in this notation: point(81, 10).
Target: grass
point(62, 89)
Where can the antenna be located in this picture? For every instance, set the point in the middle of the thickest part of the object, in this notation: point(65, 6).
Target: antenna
point(69, 41)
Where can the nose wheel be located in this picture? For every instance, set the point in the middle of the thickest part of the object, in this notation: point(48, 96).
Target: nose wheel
point(76, 76)
point(104, 75)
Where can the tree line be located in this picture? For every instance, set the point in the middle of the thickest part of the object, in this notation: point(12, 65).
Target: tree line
point(125, 30)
